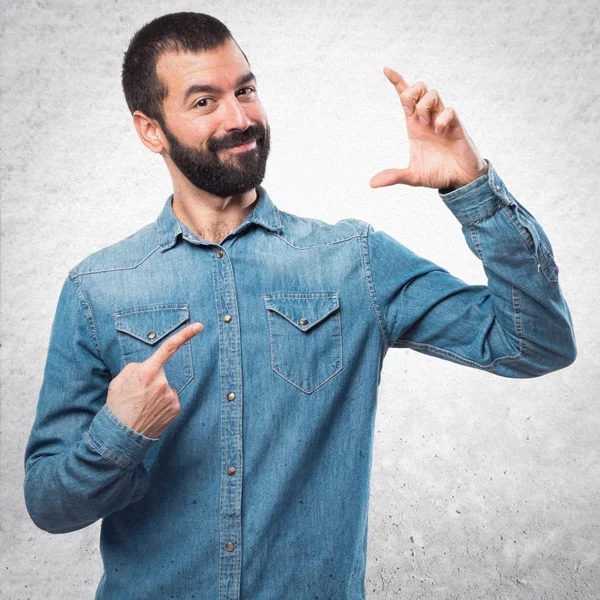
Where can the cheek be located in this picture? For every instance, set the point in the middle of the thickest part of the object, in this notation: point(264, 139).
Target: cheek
point(195, 131)
point(257, 114)
point(199, 139)
point(198, 133)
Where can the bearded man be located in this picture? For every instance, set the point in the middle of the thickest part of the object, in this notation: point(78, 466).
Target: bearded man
point(211, 383)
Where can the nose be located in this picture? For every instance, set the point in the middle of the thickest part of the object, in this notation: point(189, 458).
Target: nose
point(235, 115)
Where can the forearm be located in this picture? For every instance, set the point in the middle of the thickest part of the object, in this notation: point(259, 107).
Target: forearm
point(522, 277)
point(518, 325)
point(99, 475)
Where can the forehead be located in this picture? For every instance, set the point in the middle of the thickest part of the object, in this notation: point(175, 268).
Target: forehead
point(221, 66)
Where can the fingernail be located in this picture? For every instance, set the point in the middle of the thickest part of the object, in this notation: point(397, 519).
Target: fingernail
point(407, 110)
point(196, 327)
point(422, 119)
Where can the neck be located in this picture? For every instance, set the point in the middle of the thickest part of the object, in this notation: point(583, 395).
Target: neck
point(210, 217)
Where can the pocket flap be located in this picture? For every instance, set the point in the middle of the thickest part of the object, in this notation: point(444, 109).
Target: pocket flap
point(152, 324)
point(303, 310)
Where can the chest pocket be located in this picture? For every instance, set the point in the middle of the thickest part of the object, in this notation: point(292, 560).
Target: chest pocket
point(141, 330)
point(305, 332)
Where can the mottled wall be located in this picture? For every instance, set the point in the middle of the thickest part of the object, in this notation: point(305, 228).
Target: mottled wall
point(482, 487)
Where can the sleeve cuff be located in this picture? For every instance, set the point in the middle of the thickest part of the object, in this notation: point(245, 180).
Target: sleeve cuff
point(478, 199)
point(116, 441)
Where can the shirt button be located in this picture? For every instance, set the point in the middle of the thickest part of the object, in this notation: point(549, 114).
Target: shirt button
point(227, 318)
point(497, 188)
point(303, 321)
point(152, 335)
point(230, 396)
point(229, 547)
point(231, 471)
point(219, 253)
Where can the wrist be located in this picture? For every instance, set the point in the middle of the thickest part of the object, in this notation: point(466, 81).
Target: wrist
point(462, 183)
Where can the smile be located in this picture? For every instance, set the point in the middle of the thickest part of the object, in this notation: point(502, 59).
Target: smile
point(243, 147)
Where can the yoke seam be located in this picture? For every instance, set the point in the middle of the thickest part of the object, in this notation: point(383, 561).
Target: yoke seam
point(316, 245)
point(75, 275)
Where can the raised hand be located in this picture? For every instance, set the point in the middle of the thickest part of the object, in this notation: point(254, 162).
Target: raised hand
point(442, 155)
point(140, 394)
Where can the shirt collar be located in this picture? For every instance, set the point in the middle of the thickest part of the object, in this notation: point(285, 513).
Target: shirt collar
point(264, 213)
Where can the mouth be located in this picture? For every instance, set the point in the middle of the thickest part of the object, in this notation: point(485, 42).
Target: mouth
point(243, 147)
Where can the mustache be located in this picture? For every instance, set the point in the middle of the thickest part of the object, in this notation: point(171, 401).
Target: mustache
point(237, 138)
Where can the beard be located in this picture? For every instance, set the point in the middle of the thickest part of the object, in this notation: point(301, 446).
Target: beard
point(239, 173)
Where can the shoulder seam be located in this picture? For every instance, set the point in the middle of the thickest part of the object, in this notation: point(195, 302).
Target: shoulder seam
point(88, 312)
point(364, 239)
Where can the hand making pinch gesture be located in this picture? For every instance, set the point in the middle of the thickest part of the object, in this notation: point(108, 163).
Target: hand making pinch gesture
point(442, 155)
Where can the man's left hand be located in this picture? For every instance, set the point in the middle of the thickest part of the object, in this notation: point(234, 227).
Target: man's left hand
point(442, 155)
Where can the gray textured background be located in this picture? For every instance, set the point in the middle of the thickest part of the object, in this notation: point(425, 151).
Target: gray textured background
point(482, 487)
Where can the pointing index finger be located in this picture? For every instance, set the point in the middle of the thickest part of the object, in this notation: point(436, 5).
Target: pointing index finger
point(396, 79)
point(172, 344)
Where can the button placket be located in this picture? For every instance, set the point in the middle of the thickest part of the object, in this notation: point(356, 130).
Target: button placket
point(231, 427)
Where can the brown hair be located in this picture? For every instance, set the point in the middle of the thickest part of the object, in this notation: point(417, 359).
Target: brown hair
point(175, 32)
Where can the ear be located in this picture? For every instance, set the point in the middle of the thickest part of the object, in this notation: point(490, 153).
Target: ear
point(150, 132)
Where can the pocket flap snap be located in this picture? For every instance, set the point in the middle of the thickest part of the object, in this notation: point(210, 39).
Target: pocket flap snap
point(303, 310)
point(152, 324)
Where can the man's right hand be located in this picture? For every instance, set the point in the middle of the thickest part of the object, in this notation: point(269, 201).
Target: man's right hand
point(140, 395)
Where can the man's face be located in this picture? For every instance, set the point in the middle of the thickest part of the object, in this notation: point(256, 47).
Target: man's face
point(217, 130)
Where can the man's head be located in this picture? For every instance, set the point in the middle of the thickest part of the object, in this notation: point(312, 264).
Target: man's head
point(193, 97)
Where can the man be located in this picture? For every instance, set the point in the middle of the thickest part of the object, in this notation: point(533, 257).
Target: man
point(211, 382)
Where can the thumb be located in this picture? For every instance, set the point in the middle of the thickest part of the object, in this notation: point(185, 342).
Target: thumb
point(391, 177)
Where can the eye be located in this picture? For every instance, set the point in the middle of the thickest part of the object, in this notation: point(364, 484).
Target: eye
point(249, 89)
point(202, 102)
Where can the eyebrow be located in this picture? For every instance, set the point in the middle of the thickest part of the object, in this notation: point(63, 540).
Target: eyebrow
point(211, 89)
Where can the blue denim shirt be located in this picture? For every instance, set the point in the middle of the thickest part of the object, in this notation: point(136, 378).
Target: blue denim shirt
point(259, 488)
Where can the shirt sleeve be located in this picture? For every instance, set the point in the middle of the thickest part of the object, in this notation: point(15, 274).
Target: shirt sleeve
point(81, 462)
point(519, 325)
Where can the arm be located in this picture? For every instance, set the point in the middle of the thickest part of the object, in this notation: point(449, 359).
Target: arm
point(81, 462)
point(519, 325)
